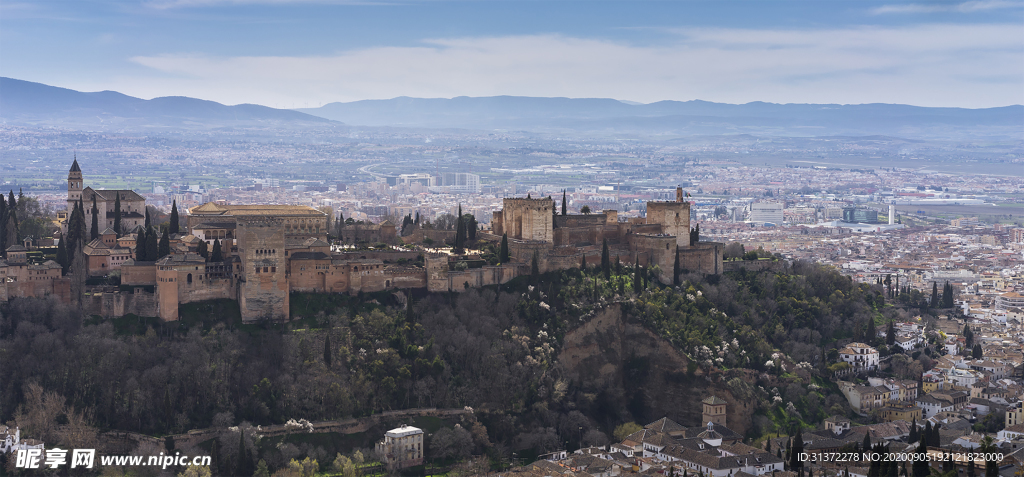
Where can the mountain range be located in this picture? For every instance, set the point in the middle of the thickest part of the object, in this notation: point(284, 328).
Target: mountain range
point(678, 117)
point(23, 102)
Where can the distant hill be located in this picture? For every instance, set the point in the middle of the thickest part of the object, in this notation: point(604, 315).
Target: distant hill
point(677, 117)
point(24, 102)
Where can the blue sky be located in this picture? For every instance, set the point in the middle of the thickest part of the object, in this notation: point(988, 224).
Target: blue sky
point(304, 53)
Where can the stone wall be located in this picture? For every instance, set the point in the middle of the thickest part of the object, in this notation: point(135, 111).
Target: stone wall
point(480, 277)
point(115, 304)
point(703, 257)
point(662, 250)
point(405, 277)
point(437, 272)
point(144, 274)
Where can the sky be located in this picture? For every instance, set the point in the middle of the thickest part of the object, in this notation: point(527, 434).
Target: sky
point(306, 53)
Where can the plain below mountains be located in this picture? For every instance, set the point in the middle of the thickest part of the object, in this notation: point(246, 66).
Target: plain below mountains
point(679, 118)
point(28, 103)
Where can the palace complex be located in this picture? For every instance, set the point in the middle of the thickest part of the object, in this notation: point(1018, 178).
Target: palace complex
point(270, 251)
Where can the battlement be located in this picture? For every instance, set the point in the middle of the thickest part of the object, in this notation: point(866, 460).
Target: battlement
point(525, 201)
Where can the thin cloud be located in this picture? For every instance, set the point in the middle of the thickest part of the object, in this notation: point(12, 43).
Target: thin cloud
point(965, 7)
point(929, 65)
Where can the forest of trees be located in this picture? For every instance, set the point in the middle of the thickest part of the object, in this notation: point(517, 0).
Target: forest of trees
point(490, 349)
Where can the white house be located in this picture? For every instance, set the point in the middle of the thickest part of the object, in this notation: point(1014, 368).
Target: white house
point(860, 356)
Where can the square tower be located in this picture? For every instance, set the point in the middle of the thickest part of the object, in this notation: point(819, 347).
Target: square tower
point(714, 410)
point(528, 219)
point(674, 218)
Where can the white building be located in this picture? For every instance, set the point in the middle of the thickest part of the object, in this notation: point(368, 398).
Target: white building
point(401, 447)
point(769, 212)
point(860, 356)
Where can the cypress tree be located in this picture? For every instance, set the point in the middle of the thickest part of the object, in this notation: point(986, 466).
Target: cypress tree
point(174, 227)
point(3, 223)
point(327, 350)
point(920, 466)
point(217, 255)
point(243, 467)
point(140, 246)
point(926, 437)
point(970, 468)
point(503, 251)
point(148, 224)
point(11, 233)
point(460, 231)
point(796, 450)
point(117, 214)
point(62, 255)
point(152, 249)
point(471, 227)
point(866, 444)
point(915, 434)
point(203, 250)
point(890, 334)
point(935, 295)
point(535, 267)
point(676, 270)
point(583, 262)
point(563, 202)
point(976, 352)
point(606, 261)
point(872, 334)
point(637, 281)
point(94, 231)
point(409, 318)
point(165, 245)
point(947, 296)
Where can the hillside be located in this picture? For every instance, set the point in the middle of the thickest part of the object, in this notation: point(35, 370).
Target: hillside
point(565, 356)
point(24, 102)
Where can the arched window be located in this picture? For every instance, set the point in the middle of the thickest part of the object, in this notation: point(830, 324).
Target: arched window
point(188, 279)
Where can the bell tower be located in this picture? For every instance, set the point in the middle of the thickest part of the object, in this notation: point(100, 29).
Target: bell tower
point(74, 183)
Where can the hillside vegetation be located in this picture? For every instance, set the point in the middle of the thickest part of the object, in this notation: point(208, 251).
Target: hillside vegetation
point(538, 359)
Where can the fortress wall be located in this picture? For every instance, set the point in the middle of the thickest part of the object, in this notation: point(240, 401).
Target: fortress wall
point(401, 277)
point(207, 289)
point(497, 226)
point(661, 250)
point(310, 275)
point(592, 220)
point(437, 272)
point(481, 277)
point(138, 275)
point(703, 257)
point(117, 304)
point(522, 252)
point(377, 255)
point(59, 288)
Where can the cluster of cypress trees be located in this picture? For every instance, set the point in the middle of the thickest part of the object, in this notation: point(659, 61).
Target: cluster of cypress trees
point(946, 299)
point(8, 221)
